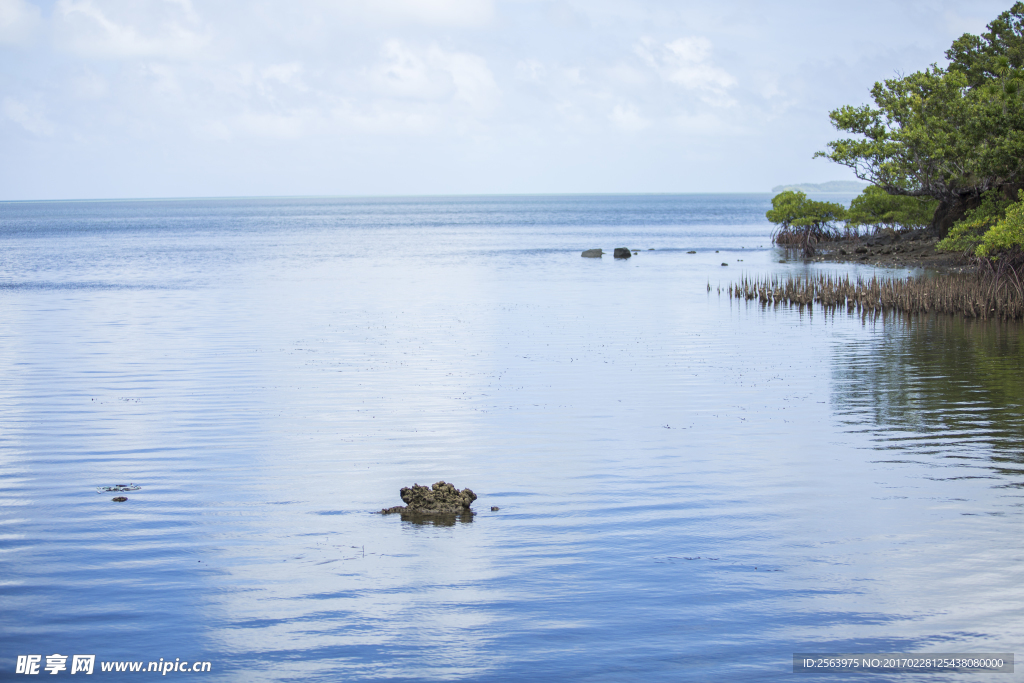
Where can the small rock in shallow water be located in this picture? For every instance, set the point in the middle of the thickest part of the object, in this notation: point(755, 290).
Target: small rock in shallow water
point(119, 499)
point(691, 252)
point(118, 488)
point(441, 498)
point(592, 253)
point(622, 252)
point(495, 508)
point(725, 264)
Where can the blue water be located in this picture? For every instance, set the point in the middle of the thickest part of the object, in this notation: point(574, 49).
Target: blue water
point(690, 488)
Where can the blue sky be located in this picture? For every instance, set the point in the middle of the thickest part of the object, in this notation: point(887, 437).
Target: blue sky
point(168, 98)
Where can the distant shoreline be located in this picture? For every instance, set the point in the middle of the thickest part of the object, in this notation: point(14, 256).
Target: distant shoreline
point(831, 187)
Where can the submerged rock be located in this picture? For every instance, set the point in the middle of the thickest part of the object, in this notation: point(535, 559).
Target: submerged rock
point(441, 498)
point(622, 252)
point(118, 488)
point(119, 499)
point(593, 253)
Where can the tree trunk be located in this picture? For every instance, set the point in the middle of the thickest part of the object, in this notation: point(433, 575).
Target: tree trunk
point(808, 245)
point(949, 212)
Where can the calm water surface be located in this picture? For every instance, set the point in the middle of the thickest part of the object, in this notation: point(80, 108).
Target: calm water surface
point(691, 489)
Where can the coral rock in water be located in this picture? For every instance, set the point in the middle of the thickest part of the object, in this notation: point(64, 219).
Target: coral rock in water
point(438, 499)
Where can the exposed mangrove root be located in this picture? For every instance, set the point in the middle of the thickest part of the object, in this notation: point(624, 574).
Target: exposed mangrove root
point(972, 295)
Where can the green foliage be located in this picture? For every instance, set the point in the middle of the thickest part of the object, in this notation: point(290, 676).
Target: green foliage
point(967, 234)
point(944, 133)
point(793, 208)
point(993, 207)
point(787, 207)
point(1007, 235)
point(993, 229)
point(1002, 46)
point(821, 215)
point(876, 207)
point(802, 221)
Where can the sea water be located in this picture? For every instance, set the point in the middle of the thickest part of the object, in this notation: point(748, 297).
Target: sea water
point(691, 488)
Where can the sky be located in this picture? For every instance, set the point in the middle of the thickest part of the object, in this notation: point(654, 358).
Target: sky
point(196, 98)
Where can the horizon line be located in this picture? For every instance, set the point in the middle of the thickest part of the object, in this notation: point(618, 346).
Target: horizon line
point(387, 196)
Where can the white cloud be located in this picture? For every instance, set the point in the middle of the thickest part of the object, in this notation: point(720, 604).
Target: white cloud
point(286, 74)
point(627, 117)
point(406, 74)
point(574, 75)
point(687, 62)
point(453, 13)
point(29, 117)
point(88, 85)
point(625, 75)
point(410, 90)
point(278, 82)
point(708, 123)
point(18, 22)
point(288, 125)
point(564, 15)
point(496, 81)
point(433, 75)
point(530, 70)
point(474, 82)
point(378, 119)
point(164, 81)
point(168, 29)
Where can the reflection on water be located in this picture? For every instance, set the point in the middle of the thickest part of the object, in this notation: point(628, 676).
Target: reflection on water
point(690, 489)
point(440, 519)
point(942, 387)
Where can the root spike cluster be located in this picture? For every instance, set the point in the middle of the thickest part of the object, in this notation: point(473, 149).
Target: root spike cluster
point(972, 295)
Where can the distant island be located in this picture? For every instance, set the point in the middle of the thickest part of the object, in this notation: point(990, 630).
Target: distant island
point(847, 186)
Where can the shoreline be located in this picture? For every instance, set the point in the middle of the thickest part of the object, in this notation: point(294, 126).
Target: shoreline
point(908, 250)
